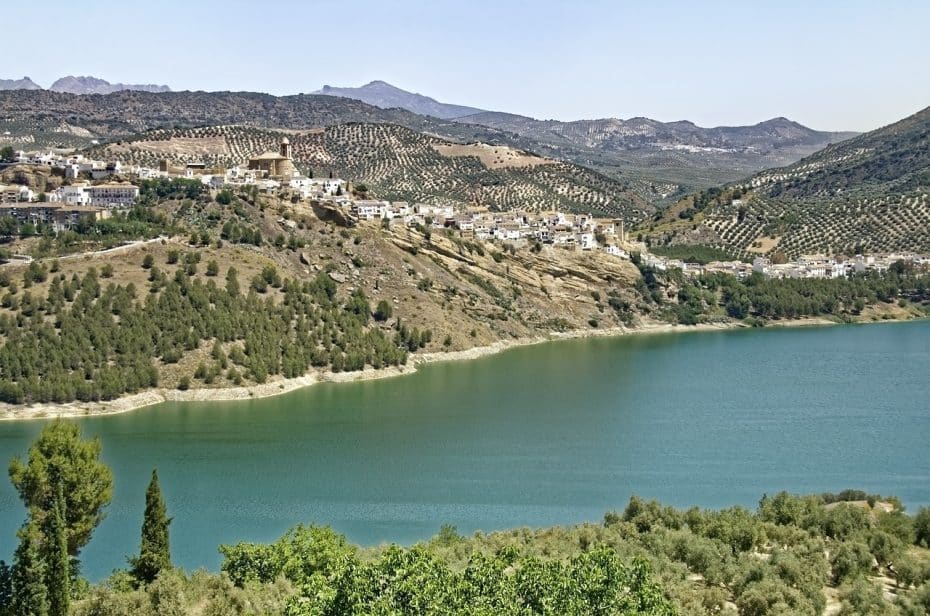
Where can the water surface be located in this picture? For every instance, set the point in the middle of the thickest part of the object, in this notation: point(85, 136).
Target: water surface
point(550, 434)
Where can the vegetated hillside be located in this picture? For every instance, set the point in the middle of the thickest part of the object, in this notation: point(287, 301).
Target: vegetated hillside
point(674, 151)
point(384, 95)
point(400, 164)
point(48, 119)
point(306, 295)
point(243, 289)
point(893, 159)
point(128, 112)
point(868, 194)
point(850, 553)
point(29, 134)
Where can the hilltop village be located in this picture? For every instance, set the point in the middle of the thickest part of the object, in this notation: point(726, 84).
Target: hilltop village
point(94, 189)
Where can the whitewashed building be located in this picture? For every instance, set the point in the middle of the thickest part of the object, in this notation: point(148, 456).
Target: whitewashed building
point(115, 195)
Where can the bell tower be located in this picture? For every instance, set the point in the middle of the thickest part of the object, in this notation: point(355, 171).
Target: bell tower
point(286, 148)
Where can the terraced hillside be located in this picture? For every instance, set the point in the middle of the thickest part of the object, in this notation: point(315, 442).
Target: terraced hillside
point(30, 134)
point(869, 225)
point(400, 164)
point(868, 194)
point(893, 159)
point(676, 159)
point(126, 113)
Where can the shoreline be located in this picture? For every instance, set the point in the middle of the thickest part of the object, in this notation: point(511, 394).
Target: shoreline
point(132, 402)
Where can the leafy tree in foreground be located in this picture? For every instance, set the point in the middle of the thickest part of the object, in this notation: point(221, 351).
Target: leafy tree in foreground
point(154, 554)
point(57, 577)
point(61, 458)
point(6, 588)
point(30, 596)
point(416, 581)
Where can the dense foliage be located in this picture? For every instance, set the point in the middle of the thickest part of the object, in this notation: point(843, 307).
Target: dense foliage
point(61, 464)
point(154, 552)
point(136, 223)
point(65, 488)
point(693, 253)
point(646, 559)
point(757, 298)
point(86, 341)
point(332, 579)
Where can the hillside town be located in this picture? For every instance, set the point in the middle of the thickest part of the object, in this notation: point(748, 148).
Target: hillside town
point(94, 189)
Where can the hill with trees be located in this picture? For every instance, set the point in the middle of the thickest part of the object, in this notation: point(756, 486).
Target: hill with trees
point(397, 163)
point(867, 194)
point(670, 158)
point(260, 288)
point(242, 289)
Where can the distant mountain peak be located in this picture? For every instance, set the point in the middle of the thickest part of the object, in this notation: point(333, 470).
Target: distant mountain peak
point(781, 121)
point(19, 84)
point(88, 84)
point(385, 95)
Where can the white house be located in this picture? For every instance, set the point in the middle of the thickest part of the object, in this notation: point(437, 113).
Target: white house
point(839, 270)
point(585, 240)
point(761, 265)
point(438, 213)
point(76, 194)
point(369, 209)
point(115, 195)
point(616, 251)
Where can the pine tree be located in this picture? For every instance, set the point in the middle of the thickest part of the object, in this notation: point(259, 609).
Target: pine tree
point(6, 587)
point(154, 555)
point(30, 597)
point(57, 560)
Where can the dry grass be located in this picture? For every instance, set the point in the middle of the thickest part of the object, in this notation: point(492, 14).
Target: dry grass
point(763, 245)
point(184, 146)
point(493, 156)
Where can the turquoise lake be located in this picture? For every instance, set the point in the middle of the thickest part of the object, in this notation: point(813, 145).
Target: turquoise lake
point(555, 433)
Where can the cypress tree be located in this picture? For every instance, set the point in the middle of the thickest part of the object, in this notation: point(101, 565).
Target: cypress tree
point(57, 560)
point(30, 597)
point(154, 554)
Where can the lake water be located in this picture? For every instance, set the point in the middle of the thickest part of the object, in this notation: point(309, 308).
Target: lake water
point(556, 433)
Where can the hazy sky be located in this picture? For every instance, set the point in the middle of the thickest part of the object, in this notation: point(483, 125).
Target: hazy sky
point(833, 65)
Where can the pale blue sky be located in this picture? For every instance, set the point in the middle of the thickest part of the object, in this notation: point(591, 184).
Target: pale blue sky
point(831, 64)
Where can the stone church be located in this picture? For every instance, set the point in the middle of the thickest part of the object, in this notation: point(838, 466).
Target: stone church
point(278, 165)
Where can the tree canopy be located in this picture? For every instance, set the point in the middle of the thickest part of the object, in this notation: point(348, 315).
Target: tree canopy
point(61, 459)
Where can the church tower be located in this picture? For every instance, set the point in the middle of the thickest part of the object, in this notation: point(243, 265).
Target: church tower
point(286, 148)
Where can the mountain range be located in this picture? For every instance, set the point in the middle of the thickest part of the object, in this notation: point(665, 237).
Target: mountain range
point(400, 164)
point(80, 85)
point(679, 153)
point(807, 190)
point(19, 84)
point(94, 85)
point(384, 95)
point(675, 158)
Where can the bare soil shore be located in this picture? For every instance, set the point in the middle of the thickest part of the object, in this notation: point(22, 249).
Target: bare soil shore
point(281, 385)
